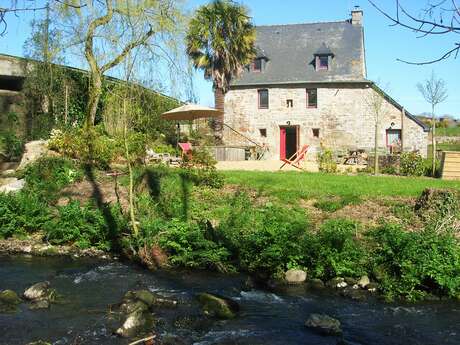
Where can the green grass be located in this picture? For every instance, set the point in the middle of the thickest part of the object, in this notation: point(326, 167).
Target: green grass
point(448, 132)
point(291, 186)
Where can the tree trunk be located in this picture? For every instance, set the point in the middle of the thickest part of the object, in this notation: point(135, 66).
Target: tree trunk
point(433, 141)
point(376, 145)
point(95, 91)
point(219, 101)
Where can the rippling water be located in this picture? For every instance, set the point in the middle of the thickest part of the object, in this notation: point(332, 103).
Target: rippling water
point(89, 287)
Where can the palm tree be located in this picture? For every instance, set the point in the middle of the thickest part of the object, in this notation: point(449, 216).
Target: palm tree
point(220, 41)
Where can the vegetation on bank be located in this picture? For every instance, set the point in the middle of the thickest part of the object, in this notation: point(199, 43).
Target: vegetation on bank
point(254, 222)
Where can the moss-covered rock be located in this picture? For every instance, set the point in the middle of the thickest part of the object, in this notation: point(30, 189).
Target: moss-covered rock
point(9, 301)
point(324, 324)
point(150, 299)
point(136, 323)
point(218, 306)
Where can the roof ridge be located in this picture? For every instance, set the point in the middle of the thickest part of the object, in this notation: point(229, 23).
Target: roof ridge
point(310, 23)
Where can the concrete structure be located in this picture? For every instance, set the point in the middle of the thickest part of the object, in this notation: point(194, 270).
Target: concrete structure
point(308, 85)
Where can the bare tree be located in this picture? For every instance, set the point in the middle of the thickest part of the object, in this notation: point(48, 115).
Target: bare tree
point(438, 17)
point(434, 91)
point(375, 101)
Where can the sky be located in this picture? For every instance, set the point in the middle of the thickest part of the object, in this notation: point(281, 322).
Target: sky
point(384, 45)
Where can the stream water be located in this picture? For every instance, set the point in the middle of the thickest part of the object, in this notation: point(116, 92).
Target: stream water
point(88, 287)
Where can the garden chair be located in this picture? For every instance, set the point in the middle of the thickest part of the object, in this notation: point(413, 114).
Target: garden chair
point(186, 149)
point(296, 158)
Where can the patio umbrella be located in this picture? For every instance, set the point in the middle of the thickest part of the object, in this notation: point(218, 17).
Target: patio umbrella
point(191, 112)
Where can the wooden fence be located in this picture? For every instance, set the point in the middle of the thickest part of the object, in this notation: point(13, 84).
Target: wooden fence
point(450, 165)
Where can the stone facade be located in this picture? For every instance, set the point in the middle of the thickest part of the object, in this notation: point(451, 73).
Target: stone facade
point(343, 116)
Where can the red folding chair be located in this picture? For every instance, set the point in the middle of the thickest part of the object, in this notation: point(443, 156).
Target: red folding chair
point(296, 158)
point(186, 149)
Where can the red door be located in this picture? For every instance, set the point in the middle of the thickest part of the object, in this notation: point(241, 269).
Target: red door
point(282, 143)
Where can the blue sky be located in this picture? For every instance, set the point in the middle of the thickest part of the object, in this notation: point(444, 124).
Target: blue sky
point(384, 44)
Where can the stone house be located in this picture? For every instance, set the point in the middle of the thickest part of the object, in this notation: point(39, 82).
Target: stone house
point(308, 85)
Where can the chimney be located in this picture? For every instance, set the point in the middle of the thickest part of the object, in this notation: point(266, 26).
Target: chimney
point(357, 16)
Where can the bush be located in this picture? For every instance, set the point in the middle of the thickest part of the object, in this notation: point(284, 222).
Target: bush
point(21, 214)
point(13, 146)
point(201, 169)
point(411, 264)
point(412, 164)
point(335, 250)
point(92, 146)
point(85, 226)
point(264, 239)
point(188, 244)
point(48, 175)
point(327, 162)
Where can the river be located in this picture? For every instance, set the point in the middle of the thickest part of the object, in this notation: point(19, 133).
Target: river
point(89, 286)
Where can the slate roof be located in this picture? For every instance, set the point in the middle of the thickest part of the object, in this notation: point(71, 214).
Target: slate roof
point(291, 50)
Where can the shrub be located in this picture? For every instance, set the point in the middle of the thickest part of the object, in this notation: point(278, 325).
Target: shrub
point(13, 146)
point(327, 162)
point(21, 213)
point(410, 264)
point(201, 169)
point(335, 250)
point(92, 146)
point(264, 239)
point(412, 164)
point(48, 175)
point(85, 226)
point(189, 245)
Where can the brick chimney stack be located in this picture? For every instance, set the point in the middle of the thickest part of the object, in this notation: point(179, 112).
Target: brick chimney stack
point(357, 16)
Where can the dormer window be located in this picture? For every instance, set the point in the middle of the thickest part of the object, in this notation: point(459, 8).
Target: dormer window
point(322, 62)
point(323, 58)
point(257, 65)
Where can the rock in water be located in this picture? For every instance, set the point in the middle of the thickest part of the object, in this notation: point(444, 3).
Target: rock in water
point(363, 282)
point(9, 301)
point(315, 284)
point(135, 324)
point(295, 276)
point(37, 291)
point(39, 304)
point(218, 306)
point(337, 283)
point(150, 299)
point(324, 324)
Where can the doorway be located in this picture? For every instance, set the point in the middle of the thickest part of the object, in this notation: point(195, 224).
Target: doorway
point(289, 141)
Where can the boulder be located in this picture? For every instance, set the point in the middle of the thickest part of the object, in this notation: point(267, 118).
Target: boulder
point(337, 283)
point(135, 324)
point(354, 294)
point(150, 299)
point(33, 150)
point(324, 324)
point(37, 291)
point(9, 297)
point(372, 287)
point(295, 276)
point(39, 304)
point(9, 301)
point(12, 185)
point(315, 284)
point(218, 306)
point(363, 282)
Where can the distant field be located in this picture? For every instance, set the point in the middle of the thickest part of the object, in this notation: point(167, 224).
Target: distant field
point(448, 132)
point(292, 186)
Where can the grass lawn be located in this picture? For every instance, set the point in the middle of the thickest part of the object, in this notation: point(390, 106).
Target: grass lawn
point(291, 186)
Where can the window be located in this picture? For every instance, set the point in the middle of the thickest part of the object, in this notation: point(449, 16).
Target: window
point(315, 132)
point(393, 137)
point(289, 103)
point(322, 63)
point(312, 98)
point(257, 65)
point(263, 132)
point(263, 99)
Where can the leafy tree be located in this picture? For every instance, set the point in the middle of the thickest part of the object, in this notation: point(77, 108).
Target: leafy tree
point(434, 91)
point(220, 41)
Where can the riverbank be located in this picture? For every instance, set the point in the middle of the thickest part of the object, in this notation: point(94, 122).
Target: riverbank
point(264, 224)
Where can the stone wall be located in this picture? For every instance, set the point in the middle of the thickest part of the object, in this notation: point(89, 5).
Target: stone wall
point(343, 116)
